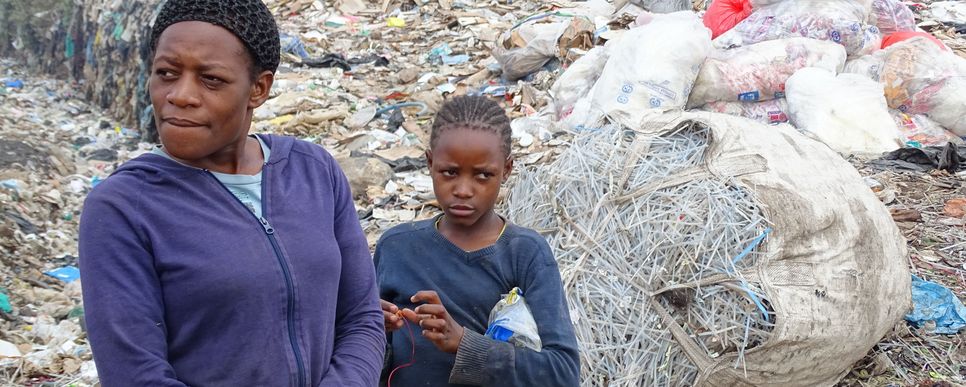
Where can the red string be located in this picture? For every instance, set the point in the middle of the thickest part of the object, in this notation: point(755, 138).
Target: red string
point(412, 356)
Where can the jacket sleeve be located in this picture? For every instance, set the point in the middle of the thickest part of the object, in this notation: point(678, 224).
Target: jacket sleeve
point(483, 361)
point(123, 304)
point(360, 338)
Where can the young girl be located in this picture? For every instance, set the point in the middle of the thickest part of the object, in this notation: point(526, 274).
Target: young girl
point(444, 275)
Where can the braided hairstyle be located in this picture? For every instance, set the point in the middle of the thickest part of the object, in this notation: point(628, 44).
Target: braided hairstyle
point(249, 20)
point(472, 112)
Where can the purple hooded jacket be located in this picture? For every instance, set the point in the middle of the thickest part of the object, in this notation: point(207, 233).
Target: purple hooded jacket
point(183, 285)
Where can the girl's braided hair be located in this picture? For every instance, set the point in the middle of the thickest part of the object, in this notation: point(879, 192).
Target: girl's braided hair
point(472, 112)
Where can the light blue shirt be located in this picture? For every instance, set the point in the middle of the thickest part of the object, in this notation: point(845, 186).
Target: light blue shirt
point(247, 188)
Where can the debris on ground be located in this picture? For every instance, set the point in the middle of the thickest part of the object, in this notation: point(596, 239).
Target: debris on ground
point(364, 78)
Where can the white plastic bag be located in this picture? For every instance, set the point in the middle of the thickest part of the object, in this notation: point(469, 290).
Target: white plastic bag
point(511, 321)
point(839, 21)
point(846, 112)
point(758, 72)
point(539, 44)
point(892, 16)
point(578, 80)
point(923, 131)
point(773, 111)
point(919, 78)
point(652, 68)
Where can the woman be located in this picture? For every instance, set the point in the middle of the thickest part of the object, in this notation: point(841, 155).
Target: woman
point(223, 259)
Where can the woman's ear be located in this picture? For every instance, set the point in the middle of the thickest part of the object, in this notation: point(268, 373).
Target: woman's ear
point(261, 88)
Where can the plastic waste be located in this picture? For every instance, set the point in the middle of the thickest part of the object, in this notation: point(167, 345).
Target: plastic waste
point(664, 6)
point(67, 273)
point(578, 80)
point(292, 45)
point(13, 83)
point(652, 68)
point(511, 321)
point(723, 15)
point(897, 37)
point(5, 303)
point(839, 21)
point(758, 72)
point(395, 22)
point(455, 59)
point(919, 78)
point(921, 130)
point(932, 302)
point(773, 111)
point(437, 53)
point(527, 47)
point(892, 16)
point(948, 12)
point(847, 112)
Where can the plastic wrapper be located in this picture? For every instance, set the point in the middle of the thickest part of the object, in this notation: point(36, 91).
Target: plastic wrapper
point(839, 21)
point(892, 16)
point(919, 78)
point(511, 321)
point(652, 68)
point(578, 80)
point(758, 72)
point(902, 36)
point(723, 15)
point(846, 112)
point(920, 130)
point(773, 111)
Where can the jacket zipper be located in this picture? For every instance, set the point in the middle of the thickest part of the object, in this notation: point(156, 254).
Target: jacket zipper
point(289, 287)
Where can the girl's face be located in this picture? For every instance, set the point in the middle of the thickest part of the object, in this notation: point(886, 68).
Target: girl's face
point(468, 167)
point(202, 90)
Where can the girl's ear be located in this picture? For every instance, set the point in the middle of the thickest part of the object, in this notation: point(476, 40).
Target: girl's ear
point(507, 168)
point(429, 159)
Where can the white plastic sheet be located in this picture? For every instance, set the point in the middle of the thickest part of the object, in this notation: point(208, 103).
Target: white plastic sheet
point(847, 112)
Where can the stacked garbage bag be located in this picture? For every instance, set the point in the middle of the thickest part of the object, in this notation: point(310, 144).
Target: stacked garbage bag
point(882, 83)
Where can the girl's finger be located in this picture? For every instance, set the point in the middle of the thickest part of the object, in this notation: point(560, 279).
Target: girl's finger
point(388, 306)
point(434, 336)
point(435, 324)
point(427, 296)
point(436, 310)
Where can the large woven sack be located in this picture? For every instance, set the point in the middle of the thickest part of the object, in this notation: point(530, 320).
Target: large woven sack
point(832, 271)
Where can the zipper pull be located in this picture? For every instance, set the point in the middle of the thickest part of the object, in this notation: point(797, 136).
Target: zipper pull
point(268, 227)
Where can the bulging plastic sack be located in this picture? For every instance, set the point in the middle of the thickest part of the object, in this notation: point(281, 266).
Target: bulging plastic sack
point(902, 36)
point(920, 130)
point(511, 321)
point(723, 15)
point(839, 21)
point(847, 112)
point(758, 72)
point(919, 78)
point(892, 16)
point(578, 80)
point(773, 111)
point(652, 68)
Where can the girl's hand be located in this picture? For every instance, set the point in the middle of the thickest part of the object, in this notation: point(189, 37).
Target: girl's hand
point(438, 326)
point(393, 316)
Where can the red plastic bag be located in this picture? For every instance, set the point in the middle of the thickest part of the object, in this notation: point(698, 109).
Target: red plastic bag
point(724, 15)
point(897, 37)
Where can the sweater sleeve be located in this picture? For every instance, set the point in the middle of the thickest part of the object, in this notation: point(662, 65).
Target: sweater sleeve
point(123, 304)
point(360, 338)
point(487, 362)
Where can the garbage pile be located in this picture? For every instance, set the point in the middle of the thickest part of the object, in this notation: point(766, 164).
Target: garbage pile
point(103, 44)
point(53, 149)
point(363, 79)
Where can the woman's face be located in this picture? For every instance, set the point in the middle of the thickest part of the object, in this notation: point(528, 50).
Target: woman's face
point(203, 91)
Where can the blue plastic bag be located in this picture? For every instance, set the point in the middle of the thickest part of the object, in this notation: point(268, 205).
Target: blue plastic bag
point(933, 302)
